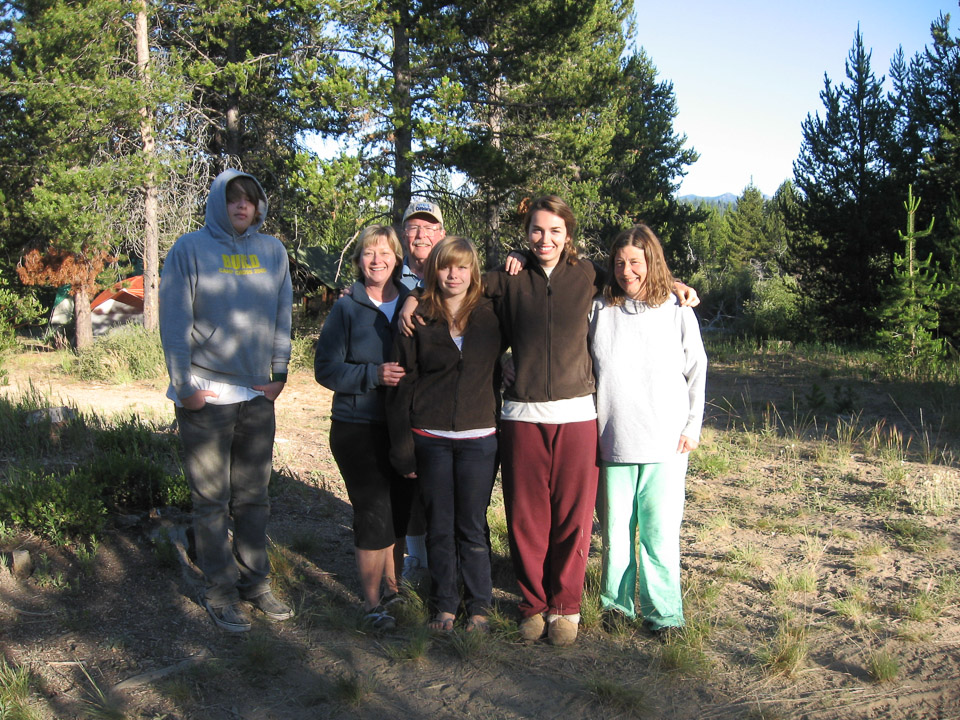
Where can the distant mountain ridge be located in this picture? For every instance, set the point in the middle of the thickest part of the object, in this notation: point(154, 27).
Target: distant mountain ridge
point(719, 200)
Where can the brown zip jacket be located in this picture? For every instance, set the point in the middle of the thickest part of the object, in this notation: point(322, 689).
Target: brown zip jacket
point(544, 320)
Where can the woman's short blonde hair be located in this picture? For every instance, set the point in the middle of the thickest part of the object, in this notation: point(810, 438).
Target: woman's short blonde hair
point(371, 235)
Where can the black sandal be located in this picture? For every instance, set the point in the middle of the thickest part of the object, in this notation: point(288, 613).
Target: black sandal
point(442, 624)
point(379, 619)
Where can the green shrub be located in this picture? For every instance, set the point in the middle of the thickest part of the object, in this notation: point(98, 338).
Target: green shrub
point(133, 436)
point(55, 506)
point(774, 309)
point(15, 311)
point(175, 492)
point(59, 506)
point(130, 483)
point(301, 355)
point(722, 296)
point(125, 354)
point(126, 465)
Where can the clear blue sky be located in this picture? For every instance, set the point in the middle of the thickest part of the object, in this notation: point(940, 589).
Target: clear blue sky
point(747, 72)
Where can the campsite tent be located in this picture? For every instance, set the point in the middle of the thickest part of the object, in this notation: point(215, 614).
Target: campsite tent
point(120, 304)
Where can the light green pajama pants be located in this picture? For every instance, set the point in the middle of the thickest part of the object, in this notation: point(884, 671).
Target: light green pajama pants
point(646, 500)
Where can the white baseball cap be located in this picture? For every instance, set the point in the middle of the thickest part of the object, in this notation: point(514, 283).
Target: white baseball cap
point(423, 207)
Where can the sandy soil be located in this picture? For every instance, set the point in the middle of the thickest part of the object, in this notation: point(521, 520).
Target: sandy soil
point(131, 626)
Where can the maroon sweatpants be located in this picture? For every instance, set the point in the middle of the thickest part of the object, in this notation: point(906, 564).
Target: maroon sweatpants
point(549, 489)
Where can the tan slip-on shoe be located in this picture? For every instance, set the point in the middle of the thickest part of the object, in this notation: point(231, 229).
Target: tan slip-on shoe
point(561, 632)
point(531, 628)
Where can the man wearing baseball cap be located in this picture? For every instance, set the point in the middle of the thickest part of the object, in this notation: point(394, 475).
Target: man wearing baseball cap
point(422, 228)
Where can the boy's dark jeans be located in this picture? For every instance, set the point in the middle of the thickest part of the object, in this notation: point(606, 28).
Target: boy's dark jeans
point(228, 456)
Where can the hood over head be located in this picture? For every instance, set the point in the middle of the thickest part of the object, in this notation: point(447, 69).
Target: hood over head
point(217, 219)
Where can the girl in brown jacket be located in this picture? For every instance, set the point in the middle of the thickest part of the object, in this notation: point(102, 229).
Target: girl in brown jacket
point(442, 418)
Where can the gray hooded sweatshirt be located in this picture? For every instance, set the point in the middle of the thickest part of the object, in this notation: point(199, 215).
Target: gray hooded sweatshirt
point(225, 300)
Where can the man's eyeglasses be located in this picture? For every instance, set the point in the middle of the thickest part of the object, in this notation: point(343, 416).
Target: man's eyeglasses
point(422, 229)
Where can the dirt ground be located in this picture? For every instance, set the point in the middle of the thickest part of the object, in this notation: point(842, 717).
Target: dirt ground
point(130, 625)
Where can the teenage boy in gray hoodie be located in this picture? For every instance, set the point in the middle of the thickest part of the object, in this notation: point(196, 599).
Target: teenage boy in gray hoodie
point(225, 316)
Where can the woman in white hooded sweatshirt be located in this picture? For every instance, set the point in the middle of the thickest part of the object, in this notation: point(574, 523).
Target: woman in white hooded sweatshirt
point(650, 367)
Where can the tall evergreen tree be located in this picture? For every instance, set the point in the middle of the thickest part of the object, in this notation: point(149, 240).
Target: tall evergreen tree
point(780, 212)
point(927, 96)
point(539, 79)
point(516, 96)
point(845, 176)
point(254, 70)
point(747, 228)
point(647, 157)
point(73, 72)
point(386, 89)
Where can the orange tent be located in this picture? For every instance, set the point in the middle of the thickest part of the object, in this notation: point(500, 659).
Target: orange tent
point(129, 292)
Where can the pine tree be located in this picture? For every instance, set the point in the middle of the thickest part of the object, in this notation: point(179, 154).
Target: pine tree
point(539, 109)
point(385, 88)
point(254, 70)
point(747, 228)
point(431, 88)
point(845, 176)
point(927, 96)
point(780, 213)
point(647, 158)
point(909, 315)
point(73, 70)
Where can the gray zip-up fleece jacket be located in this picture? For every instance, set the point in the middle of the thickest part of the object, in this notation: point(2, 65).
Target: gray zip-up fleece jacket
point(355, 340)
point(225, 300)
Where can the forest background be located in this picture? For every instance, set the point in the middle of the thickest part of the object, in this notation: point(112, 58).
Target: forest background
point(116, 115)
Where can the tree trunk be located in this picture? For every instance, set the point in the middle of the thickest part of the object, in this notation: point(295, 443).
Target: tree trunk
point(82, 318)
point(233, 108)
point(491, 243)
point(151, 229)
point(403, 115)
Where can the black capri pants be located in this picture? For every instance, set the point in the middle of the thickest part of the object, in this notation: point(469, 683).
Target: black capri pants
point(380, 497)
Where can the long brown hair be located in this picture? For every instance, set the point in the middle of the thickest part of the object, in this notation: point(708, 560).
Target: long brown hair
point(452, 250)
point(659, 281)
point(555, 205)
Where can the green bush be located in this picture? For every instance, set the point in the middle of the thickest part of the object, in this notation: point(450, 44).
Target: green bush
point(118, 465)
point(75, 504)
point(175, 492)
point(55, 506)
point(24, 435)
point(722, 296)
point(125, 354)
point(301, 355)
point(132, 436)
point(130, 483)
point(15, 311)
point(774, 309)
